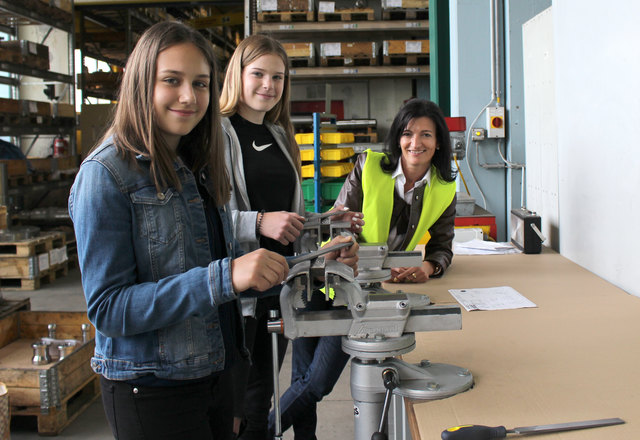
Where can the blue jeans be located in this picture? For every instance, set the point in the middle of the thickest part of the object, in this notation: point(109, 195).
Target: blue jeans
point(316, 367)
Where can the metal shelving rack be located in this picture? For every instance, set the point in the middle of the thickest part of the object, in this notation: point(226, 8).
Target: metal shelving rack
point(20, 14)
point(108, 30)
point(362, 30)
point(12, 15)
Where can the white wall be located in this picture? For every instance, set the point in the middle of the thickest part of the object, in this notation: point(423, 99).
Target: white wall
point(597, 65)
point(541, 124)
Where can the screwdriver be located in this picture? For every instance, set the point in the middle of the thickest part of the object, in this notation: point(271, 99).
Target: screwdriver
point(480, 432)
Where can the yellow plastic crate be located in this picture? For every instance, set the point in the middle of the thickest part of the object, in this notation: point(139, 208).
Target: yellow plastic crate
point(326, 138)
point(307, 154)
point(305, 139)
point(336, 153)
point(337, 138)
point(333, 170)
point(336, 169)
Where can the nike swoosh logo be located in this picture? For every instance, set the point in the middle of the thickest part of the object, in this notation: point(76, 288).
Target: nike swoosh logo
point(260, 147)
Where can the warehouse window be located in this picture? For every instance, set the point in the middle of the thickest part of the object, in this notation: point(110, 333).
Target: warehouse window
point(5, 91)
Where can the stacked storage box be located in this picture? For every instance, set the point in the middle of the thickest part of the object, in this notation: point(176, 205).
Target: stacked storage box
point(361, 53)
point(405, 9)
point(334, 167)
point(25, 52)
point(285, 10)
point(102, 82)
point(300, 54)
point(405, 52)
point(327, 12)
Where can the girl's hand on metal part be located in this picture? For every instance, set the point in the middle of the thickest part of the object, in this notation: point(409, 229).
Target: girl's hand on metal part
point(258, 270)
point(348, 255)
point(354, 217)
point(282, 226)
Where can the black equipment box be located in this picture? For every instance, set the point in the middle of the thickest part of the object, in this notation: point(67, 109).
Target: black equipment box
point(525, 231)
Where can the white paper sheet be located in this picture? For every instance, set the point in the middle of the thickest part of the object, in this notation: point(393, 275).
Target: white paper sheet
point(480, 247)
point(491, 298)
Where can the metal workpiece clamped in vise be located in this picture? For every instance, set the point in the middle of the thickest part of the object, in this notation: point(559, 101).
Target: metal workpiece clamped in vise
point(376, 326)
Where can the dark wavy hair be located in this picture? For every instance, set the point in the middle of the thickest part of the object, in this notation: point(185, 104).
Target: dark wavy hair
point(417, 108)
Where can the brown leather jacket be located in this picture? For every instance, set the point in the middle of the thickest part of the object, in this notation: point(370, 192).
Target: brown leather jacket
point(438, 249)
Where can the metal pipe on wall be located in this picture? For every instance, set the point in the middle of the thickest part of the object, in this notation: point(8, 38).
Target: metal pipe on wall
point(494, 31)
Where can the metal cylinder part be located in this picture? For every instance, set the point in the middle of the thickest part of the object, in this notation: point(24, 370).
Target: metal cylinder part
point(52, 330)
point(65, 350)
point(40, 354)
point(85, 332)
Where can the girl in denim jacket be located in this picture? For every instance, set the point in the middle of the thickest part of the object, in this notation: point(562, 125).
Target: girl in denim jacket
point(159, 266)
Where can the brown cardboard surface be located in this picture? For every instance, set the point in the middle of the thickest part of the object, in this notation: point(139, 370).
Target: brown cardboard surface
point(574, 357)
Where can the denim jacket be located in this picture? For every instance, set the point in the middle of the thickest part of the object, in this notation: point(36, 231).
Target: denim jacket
point(152, 290)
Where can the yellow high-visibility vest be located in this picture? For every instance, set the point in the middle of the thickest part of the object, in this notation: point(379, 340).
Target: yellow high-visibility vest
point(377, 202)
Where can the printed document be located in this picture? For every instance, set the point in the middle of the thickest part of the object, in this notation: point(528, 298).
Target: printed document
point(491, 298)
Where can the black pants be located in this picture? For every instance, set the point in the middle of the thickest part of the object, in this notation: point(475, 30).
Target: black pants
point(189, 412)
point(255, 399)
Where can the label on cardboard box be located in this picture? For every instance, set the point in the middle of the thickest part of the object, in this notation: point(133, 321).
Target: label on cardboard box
point(33, 107)
point(327, 7)
point(393, 4)
point(43, 262)
point(32, 48)
point(269, 5)
point(58, 255)
point(413, 46)
point(331, 49)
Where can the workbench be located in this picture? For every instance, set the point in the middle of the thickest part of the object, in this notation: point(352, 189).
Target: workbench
point(575, 357)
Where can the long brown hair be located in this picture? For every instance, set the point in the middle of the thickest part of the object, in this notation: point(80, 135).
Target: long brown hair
point(134, 126)
point(249, 50)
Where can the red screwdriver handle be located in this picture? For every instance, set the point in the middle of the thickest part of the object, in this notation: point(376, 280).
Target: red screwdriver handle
point(474, 432)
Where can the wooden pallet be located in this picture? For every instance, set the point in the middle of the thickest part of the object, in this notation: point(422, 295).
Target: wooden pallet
point(26, 264)
point(8, 307)
point(405, 60)
point(32, 246)
point(366, 137)
point(35, 282)
point(285, 16)
point(9, 56)
point(347, 15)
point(10, 119)
point(302, 62)
point(16, 181)
point(405, 14)
point(58, 418)
point(348, 60)
point(57, 12)
point(54, 393)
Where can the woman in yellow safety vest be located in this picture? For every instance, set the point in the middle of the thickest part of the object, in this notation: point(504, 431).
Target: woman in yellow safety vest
point(408, 193)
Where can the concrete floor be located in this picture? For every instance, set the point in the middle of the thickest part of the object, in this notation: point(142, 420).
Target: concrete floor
point(335, 412)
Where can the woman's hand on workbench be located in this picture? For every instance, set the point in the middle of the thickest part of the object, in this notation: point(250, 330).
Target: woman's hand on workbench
point(408, 275)
point(282, 226)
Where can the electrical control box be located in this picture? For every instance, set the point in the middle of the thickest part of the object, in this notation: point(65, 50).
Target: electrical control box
point(495, 122)
point(478, 134)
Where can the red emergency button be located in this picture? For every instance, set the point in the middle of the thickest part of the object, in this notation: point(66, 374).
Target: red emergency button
point(496, 122)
